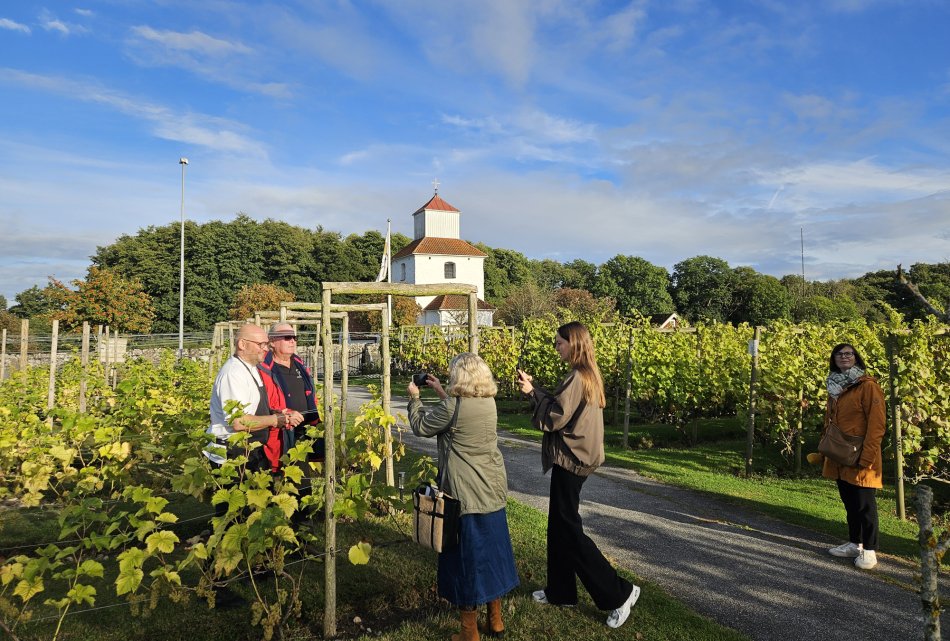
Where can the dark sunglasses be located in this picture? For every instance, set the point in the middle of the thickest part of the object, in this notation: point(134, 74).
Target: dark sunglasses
point(284, 338)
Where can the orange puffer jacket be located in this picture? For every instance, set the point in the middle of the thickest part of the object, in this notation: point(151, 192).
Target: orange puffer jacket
point(859, 411)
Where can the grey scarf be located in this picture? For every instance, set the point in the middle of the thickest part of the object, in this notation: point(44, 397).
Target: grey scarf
point(840, 381)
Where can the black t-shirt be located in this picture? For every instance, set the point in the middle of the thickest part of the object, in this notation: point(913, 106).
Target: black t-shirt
point(296, 390)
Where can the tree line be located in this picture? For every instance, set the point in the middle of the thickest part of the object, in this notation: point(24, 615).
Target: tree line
point(132, 284)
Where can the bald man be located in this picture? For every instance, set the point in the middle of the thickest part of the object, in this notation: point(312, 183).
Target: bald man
point(239, 380)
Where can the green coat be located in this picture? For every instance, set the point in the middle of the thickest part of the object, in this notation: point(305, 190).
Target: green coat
point(476, 470)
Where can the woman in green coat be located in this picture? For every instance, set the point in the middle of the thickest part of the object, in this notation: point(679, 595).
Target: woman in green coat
point(481, 569)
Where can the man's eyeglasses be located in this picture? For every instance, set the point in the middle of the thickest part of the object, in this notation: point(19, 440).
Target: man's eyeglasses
point(844, 355)
point(284, 338)
point(261, 344)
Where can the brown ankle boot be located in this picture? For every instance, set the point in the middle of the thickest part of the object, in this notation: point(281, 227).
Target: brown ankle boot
point(469, 631)
point(496, 628)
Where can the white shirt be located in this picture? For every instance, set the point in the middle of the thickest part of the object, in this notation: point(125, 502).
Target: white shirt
point(233, 383)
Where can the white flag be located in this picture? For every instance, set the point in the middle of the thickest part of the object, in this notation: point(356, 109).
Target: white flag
point(384, 265)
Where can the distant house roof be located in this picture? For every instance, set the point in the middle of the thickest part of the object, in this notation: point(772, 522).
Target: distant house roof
point(665, 321)
point(453, 302)
point(439, 246)
point(436, 203)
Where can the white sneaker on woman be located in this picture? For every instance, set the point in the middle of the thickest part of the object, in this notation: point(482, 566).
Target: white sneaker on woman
point(866, 560)
point(846, 550)
point(619, 616)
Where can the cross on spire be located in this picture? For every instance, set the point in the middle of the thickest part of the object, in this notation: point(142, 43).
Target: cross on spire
point(435, 184)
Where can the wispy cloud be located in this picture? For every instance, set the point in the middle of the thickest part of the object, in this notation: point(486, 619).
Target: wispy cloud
point(6, 23)
point(228, 62)
point(86, 13)
point(50, 22)
point(213, 132)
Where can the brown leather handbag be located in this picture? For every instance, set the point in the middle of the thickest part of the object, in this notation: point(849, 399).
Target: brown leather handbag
point(841, 448)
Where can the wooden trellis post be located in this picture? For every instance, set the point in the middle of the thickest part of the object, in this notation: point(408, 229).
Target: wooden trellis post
point(3, 353)
point(753, 379)
point(24, 343)
point(51, 391)
point(84, 361)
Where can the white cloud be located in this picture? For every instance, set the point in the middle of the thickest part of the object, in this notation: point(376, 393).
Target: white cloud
point(49, 22)
point(195, 41)
point(6, 23)
point(86, 13)
point(227, 62)
point(212, 132)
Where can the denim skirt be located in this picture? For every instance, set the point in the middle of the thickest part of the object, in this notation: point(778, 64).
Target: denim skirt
point(482, 567)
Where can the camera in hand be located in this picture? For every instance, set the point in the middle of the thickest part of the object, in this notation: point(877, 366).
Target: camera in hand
point(420, 379)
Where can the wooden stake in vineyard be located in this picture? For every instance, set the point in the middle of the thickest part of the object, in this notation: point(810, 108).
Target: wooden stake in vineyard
point(753, 379)
point(931, 553)
point(51, 391)
point(24, 343)
point(84, 361)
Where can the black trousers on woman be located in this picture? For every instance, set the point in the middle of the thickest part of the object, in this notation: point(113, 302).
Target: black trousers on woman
point(571, 553)
point(861, 506)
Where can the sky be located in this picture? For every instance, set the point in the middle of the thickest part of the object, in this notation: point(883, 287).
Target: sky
point(562, 129)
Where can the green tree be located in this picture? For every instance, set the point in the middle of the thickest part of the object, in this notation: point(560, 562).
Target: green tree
point(103, 298)
point(758, 298)
point(548, 274)
point(3, 302)
point(636, 284)
point(505, 270)
point(702, 288)
point(32, 302)
point(579, 274)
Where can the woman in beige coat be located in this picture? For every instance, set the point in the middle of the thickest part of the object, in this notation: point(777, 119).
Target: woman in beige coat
point(572, 419)
point(856, 406)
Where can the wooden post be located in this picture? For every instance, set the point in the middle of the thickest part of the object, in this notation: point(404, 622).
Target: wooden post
point(627, 384)
point(84, 361)
point(115, 357)
point(329, 474)
point(24, 343)
point(344, 375)
point(3, 354)
point(798, 430)
point(105, 348)
point(387, 398)
point(51, 392)
point(472, 323)
point(890, 345)
point(753, 379)
point(929, 565)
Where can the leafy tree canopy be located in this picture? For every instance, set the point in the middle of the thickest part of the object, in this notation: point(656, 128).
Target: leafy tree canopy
point(104, 298)
point(258, 297)
point(702, 288)
point(636, 284)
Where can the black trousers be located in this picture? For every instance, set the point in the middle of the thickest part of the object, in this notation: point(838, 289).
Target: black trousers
point(572, 554)
point(861, 506)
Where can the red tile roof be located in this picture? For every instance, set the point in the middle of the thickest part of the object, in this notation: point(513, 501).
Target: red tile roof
point(437, 203)
point(439, 246)
point(453, 302)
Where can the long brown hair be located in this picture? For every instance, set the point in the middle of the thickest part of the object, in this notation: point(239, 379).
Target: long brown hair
point(584, 361)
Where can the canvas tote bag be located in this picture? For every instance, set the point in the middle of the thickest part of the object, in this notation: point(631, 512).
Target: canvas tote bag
point(435, 514)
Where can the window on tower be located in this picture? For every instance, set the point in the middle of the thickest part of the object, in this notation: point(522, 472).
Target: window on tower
point(450, 270)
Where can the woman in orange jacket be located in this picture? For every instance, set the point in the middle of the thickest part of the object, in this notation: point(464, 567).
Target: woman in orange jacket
point(856, 406)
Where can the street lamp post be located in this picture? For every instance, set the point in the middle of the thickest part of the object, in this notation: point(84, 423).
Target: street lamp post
point(181, 284)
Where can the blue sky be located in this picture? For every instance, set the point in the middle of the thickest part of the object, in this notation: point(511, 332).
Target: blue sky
point(560, 128)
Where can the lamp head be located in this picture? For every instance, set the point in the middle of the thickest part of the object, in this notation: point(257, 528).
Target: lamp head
point(182, 161)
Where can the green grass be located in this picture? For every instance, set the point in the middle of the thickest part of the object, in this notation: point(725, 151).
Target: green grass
point(393, 597)
point(717, 466)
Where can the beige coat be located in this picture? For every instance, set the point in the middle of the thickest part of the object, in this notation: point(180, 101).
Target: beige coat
point(859, 411)
point(573, 429)
point(476, 470)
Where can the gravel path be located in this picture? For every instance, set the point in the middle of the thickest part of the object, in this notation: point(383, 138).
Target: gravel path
point(768, 579)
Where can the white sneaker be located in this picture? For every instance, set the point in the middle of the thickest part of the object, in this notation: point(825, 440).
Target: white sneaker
point(619, 616)
point(846, 550)
point(540, 596)
point(866, 560)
